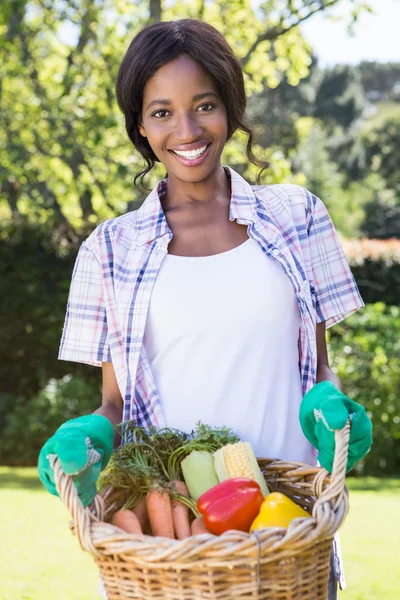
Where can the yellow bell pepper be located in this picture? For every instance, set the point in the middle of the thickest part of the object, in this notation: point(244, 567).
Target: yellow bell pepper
point(277, 510)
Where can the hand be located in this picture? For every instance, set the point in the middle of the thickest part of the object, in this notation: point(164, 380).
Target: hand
point(324, 409)
point(83, 446)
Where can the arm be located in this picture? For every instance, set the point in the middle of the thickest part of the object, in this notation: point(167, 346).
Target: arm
point(324, 372)
point(112, 401)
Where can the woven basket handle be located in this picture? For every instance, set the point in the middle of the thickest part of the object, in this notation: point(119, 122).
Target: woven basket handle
point(82, 516)
point(331, 496)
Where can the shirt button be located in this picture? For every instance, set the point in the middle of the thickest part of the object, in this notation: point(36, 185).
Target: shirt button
point(275, 252)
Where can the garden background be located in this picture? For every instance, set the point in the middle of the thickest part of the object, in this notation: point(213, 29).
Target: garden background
point(66, 165)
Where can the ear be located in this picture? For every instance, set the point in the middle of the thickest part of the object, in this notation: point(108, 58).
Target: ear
point(142, 130)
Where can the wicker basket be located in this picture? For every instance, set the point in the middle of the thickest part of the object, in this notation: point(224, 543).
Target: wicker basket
point(271, 564)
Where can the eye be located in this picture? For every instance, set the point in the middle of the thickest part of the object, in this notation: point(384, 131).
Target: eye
point(206, 107)
point(159, 114)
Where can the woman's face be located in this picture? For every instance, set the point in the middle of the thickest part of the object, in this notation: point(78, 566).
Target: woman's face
point(184, 120)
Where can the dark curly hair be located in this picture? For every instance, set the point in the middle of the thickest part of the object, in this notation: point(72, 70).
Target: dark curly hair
point(158, 44)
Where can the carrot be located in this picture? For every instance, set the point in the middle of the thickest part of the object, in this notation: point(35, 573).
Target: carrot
point(180, 512)
point(140, 510)
point(159, 510)
point(126, 520)
point(198, 526)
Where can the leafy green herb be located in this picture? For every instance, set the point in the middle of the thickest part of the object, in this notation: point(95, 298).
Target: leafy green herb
point(149, 458)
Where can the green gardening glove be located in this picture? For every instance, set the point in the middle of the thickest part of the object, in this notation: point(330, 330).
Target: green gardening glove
point(325, 409)
point(84, 446)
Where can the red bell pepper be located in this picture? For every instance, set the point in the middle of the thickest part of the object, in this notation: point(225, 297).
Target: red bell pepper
point(232, 504)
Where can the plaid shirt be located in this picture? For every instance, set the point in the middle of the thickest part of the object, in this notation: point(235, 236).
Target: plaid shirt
point(118, 264)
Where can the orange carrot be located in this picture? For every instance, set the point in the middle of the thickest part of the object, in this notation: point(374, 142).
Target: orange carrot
point(198, 526)
point(180, 512)
point(159, 510)
point(140, 510)
point(126, 520)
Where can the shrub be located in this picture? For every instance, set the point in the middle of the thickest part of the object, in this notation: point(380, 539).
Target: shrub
point(36, 263)
point(365, 351)
point(25, 429)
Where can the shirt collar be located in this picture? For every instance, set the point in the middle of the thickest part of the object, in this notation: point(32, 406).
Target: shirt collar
point(152, 224)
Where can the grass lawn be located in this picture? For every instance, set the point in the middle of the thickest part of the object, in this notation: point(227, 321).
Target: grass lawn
point(41, 560)
point(371, 540)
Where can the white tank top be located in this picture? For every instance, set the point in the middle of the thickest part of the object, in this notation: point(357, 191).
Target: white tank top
point(222, 340)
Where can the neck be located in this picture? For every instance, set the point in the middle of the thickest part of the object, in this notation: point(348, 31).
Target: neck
point(215, 189)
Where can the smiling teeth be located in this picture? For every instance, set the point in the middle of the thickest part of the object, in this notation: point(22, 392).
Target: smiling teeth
point(192, 154)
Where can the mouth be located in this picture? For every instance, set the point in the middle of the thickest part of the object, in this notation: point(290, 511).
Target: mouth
point(192, 158)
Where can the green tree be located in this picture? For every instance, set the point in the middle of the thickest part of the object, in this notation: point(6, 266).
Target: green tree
point(382, 219)
point(278, 108)
point(346, 199)
point(378, 79)
point(340, 98)
point(383, 152)
point(312, 159)
point(61, 153)
point(63, 150)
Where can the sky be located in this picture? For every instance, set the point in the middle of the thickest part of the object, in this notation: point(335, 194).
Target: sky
point(376, 36)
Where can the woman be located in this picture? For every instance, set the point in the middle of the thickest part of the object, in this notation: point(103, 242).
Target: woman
point(211, 301)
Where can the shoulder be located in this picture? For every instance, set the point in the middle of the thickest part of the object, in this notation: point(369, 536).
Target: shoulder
point(286, 198)
point(289, 194)
point(122, 229)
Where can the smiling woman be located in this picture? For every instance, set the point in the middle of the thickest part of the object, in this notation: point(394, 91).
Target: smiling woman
point(186, 73)
point(210, 302)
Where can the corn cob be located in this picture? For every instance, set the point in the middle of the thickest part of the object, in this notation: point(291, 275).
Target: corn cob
point(239, 460)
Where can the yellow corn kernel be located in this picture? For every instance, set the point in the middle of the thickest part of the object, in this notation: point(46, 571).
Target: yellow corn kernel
point(239, 460)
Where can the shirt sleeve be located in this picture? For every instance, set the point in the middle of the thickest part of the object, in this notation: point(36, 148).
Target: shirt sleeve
point(335, 292)
point(85, 334)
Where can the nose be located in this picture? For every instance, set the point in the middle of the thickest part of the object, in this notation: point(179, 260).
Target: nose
point(187, 128)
